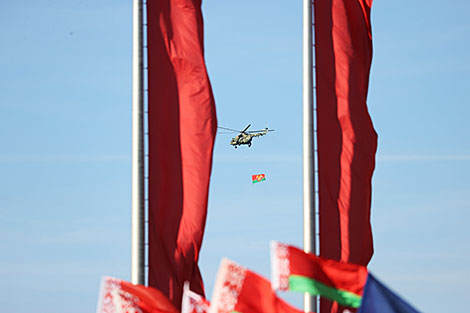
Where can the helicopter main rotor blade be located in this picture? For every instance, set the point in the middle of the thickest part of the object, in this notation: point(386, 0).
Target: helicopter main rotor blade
point(260, 131)
point(233, 130)
point(246, 128)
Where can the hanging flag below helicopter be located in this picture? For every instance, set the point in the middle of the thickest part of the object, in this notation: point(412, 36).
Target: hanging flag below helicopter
point(258, 178)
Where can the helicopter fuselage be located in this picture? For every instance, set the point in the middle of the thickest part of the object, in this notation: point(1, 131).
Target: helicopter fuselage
point(245, 138)
point(242, 139)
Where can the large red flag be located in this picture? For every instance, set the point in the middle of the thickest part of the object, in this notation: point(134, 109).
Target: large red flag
point(347, 141)
point(182, 125)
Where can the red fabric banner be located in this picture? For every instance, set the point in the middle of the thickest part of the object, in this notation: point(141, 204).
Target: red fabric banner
point(182, 126)
point(347, 141)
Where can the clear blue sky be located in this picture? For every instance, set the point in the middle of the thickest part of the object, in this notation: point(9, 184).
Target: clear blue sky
point(65, 95)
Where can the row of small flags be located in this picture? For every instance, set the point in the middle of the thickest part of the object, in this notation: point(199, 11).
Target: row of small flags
point(237, 289)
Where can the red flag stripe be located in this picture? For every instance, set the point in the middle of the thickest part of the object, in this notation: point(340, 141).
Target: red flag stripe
point(182, 126)
point(347, 141)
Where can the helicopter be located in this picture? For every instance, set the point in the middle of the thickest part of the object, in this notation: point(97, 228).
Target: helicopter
point(245, 137)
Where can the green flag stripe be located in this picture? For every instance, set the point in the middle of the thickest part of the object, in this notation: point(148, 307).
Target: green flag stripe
point(314, 287)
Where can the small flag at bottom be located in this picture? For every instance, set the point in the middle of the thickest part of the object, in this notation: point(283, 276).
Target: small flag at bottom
point(238, 289)
point(119, 296)
point(258, 178)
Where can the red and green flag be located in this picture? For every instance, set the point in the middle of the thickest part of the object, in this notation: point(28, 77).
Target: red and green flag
point(293, 269)
point(258, 178)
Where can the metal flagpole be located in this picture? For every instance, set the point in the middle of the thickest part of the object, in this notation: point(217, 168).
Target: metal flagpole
point(310, 304)
point(138, 187)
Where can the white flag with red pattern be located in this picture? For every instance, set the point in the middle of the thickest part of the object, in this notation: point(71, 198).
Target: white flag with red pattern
point(192, 302)
point(119, 296)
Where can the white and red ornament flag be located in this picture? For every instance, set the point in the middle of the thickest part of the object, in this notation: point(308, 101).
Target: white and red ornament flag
point(238, 289)
point(192, 302)
point(119, 296)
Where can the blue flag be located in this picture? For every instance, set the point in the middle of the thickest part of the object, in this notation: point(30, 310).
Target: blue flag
point(378, 298)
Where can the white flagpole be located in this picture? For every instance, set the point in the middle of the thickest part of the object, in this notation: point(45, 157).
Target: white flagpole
point(310, 304)
point(138, 201)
